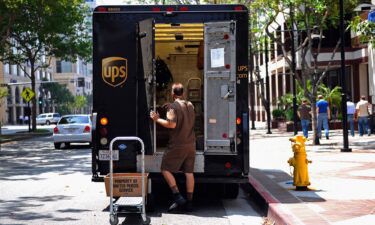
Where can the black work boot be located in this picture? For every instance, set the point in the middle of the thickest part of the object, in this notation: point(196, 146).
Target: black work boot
point(178, 202)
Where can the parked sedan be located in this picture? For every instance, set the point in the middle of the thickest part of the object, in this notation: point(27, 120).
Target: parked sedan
point(48, 118)
point(72, 129)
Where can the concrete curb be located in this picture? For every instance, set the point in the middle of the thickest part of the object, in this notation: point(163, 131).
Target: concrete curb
point(25, 136)
point(275, 210)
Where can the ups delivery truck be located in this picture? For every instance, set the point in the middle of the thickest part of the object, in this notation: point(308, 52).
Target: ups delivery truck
point(138, 52)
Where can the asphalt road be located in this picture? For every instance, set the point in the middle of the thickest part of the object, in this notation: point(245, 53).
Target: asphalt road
point(41, 185)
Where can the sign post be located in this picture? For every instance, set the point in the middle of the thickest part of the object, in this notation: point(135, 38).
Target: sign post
point(28, 94)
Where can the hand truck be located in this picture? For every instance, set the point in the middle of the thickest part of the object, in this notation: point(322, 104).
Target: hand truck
point(114, 207)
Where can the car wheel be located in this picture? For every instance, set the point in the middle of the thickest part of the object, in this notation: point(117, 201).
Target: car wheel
point(66, 145)
point(48, 123)
point(57, 145)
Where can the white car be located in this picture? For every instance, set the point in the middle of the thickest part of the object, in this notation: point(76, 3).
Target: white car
point(48, 118)
point(72, 129)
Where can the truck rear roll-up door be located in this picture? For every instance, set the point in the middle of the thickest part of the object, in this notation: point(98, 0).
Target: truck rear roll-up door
point(220, 87)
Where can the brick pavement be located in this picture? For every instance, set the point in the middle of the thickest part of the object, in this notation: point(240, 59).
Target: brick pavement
point(343, 184)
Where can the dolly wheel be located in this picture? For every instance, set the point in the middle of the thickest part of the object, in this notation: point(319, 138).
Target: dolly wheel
point(147, 221)
point(113, 219)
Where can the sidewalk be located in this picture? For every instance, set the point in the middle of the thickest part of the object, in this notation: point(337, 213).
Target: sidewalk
point(343, 184)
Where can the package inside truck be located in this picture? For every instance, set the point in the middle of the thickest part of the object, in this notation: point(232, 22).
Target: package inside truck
point(179, 58)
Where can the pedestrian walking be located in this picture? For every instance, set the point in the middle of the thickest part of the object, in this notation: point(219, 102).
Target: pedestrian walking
point(180, 155)
point(26, 119)
point(324, 114)
point(304, 115)
point(350, 113)
point(363, 112)
point(20, 119)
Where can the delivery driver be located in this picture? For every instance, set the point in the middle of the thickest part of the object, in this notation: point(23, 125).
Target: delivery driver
point(180, 155)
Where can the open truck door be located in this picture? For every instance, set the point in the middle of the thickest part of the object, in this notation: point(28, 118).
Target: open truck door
point(220, 87)
point(146, 35)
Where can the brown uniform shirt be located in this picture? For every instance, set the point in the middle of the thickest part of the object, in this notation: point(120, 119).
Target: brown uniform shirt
point(182, 136)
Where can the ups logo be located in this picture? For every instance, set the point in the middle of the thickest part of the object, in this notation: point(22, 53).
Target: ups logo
point(114, 70)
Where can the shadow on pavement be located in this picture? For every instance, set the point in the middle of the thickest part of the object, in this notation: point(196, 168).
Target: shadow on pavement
point(23, 160)
point(20, 209)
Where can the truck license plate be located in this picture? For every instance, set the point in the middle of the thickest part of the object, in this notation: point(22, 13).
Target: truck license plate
point(104, 155)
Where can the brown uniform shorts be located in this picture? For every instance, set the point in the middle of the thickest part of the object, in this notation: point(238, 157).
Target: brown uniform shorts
point(179, 159)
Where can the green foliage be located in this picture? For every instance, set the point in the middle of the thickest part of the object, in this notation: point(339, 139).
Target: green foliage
point(365, 30)
point(333, 96)
point(46, 28)
point(79, 102)
point(37, 30)
point(278, 114)
point(60, 96)
point(3, 93)
point(289, 114)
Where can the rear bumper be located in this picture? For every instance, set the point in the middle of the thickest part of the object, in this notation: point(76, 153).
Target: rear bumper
point(77, 138)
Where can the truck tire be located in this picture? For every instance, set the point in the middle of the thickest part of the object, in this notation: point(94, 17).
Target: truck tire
point(231, 191)
point(57, 145)
point(48, 122)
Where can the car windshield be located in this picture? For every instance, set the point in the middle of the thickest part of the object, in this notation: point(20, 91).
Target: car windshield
point(74, 119)
point(41, 116)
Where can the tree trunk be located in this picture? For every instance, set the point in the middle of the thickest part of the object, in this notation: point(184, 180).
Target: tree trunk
point(33, 110)
point(314, 121)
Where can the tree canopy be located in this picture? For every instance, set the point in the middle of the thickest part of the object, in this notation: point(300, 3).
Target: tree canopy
point(40, 30)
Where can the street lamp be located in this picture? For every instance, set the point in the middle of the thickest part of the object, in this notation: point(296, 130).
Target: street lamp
point(268, 91)
point(295, 122)
point(343, 83)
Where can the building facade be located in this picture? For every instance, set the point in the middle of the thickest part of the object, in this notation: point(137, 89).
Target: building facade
point(359, 75)
point(14, 107)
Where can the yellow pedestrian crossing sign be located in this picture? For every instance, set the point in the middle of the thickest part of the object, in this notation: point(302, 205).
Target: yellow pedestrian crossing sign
point(27, 94)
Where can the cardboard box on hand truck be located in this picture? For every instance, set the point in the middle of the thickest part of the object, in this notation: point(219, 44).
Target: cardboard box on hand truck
point(126, 184)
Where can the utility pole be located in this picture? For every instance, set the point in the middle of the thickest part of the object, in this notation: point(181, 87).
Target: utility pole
point(295, 122)
point(343, 82)
point(268, 91)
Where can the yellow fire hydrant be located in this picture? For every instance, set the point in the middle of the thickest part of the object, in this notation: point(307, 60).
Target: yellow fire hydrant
point(299, 162)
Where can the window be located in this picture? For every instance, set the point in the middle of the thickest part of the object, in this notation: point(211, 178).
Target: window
point(74, 119)
point(6, 68)
point(17, 95)
point(9, 98)
point(63, 67)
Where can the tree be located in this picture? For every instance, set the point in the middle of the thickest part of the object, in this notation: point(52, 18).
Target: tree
point(311, 17)
point(3, 93)
point(61, 97)
point(44, 29)
point(7, 17)
point(79, 103)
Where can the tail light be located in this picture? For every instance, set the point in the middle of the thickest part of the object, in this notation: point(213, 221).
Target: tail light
point(87, 129)
point(55, 130)
point(228, 165)
point(103, 131)
point(104, 121)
